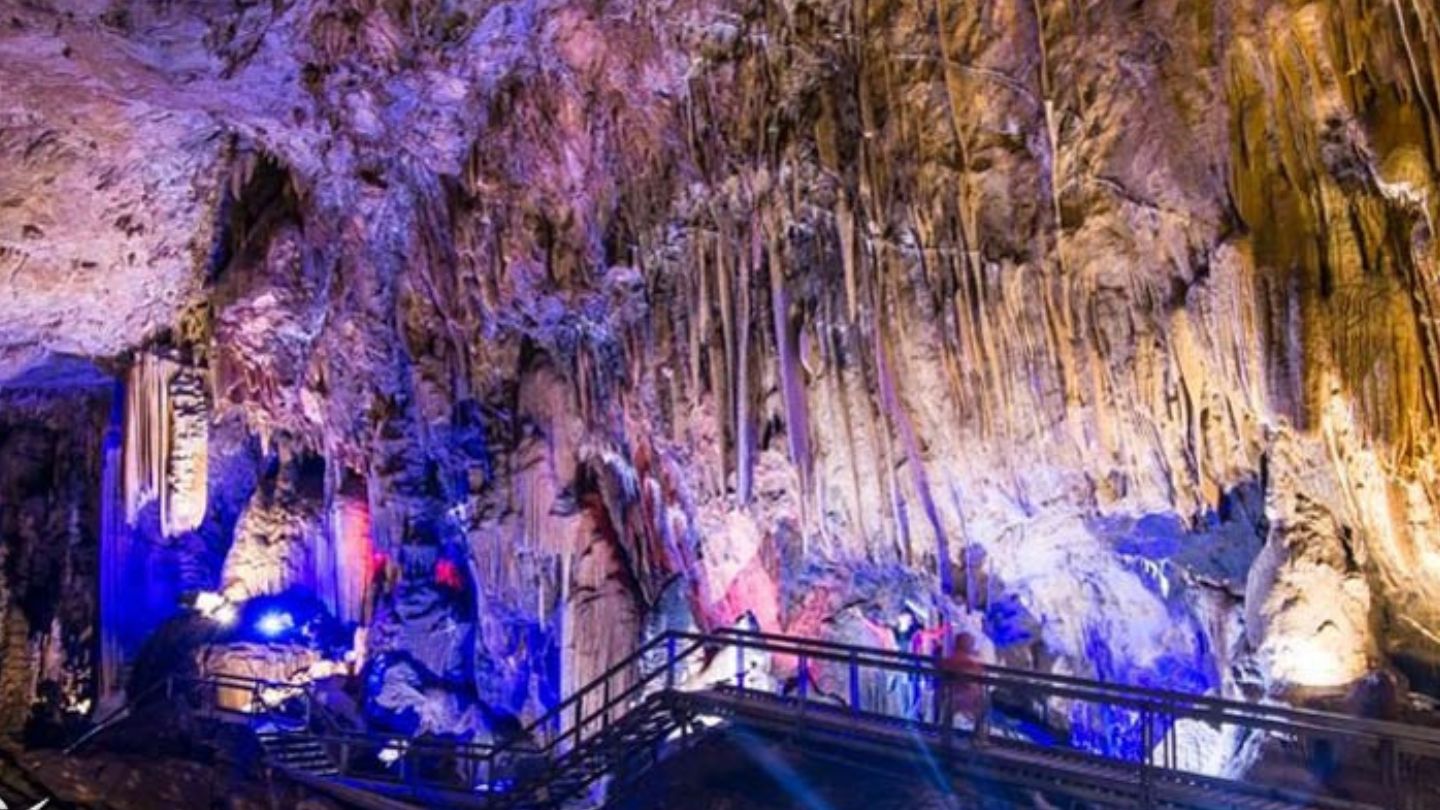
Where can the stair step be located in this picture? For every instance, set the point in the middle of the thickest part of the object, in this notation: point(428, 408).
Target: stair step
point(295, 751)
point(299, 754)
point(295, 748)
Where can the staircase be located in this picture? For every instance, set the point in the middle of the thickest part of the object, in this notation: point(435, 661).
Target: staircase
point(681, 688)
point(296, 751)
point(633, 741)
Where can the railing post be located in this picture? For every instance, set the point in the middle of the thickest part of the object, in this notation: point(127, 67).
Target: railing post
point(605, 706)
point(939, 692)
point(670, 662)
point(944, 694)
point(1390, 774)
point(804, 685)
point(740, 664)
point(343, 766)
point(1172, 738)
point(982, 715)
point(579, 716)
point(854, 683)
point(1147, 734)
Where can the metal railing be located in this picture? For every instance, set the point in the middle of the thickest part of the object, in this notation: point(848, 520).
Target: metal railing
point(294, 710)
point(251, 698)
point(1391, 764)
point(1388, 762)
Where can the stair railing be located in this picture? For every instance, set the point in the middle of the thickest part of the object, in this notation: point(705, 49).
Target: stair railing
point(172, 686)
point(116, 716)
point(569, 725)
point(253, 699)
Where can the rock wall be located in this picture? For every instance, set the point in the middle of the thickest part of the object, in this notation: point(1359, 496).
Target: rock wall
point(1109, 328)
point(50, 460)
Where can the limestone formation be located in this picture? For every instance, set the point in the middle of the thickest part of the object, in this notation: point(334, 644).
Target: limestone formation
point(1108, 328)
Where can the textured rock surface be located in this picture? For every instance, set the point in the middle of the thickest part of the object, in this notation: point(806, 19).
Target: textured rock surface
point(50, 456)
point(111, 186)
point(1113, 323)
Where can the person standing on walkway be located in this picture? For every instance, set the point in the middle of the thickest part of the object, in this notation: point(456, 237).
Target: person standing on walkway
point(905, 686)
point(961, 691)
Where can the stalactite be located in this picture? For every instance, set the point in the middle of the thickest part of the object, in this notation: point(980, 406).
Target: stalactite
point(1413, 62)
point(828, 147)
point(343, 570)
point(899, 509)
point(699, 318)
point(845, 221)
point(147, 432)
point(835, 377)
point(889, 397)
point(166, 443)
point(744, 424)
point(792, 383)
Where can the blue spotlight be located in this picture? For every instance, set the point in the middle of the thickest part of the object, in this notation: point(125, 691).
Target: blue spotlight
point(275, 623)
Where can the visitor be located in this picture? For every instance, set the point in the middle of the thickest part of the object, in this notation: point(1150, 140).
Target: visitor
point(961, 691)
point(905, 686)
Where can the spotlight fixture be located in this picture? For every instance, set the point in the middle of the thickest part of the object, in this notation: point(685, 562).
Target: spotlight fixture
point(275, 623)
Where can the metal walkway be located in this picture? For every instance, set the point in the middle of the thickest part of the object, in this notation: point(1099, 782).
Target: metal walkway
point(682, 687)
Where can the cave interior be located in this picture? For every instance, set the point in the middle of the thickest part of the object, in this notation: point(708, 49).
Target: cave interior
point(447, 352)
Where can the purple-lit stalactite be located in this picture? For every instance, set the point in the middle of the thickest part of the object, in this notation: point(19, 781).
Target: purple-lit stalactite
point(792, 383)
point(114, 551)
point(744, 430)
point(890, 401)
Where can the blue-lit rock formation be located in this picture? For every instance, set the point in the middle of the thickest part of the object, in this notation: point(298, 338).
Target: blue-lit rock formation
point(512, 333)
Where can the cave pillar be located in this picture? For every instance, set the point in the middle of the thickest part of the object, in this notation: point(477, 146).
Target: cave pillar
point(344, 564)
point(114, 552)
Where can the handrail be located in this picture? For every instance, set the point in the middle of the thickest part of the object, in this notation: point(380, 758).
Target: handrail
point(600, 705)
point(241, 681)
point(114, 717)
point(222, 680)
point(1138, 696)
point(1150, 704)
point(557, 715)
point(445, 746)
